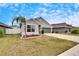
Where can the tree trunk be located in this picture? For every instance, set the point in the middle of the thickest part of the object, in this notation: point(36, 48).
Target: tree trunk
point(25, 29)
point(20, 29)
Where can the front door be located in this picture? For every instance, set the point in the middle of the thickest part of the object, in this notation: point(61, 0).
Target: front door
point(39, 28)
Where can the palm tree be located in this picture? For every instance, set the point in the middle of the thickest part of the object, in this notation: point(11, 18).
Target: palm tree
point(22, 23)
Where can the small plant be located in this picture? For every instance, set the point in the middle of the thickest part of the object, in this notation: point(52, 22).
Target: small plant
point(65, 31)
point(74, 32)
point(42, 31)
point(56, 32)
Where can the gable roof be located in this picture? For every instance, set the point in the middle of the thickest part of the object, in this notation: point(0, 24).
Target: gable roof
point(4, 25)
point(59, 25)
point(40, 21)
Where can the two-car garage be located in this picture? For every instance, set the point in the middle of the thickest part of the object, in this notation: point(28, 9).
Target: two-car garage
point(47, 30)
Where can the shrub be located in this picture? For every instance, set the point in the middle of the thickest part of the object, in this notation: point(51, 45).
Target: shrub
point(42, 31)
point(56, 32)
point(1, 33)
point(74, 32)
point(65, 31)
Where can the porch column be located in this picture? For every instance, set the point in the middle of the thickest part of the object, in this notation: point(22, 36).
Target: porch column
point(51, 29)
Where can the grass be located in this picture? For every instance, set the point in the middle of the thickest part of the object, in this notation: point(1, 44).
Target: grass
point(75, 28)
point(70, 34)
point(74, 34)
point(12, 45)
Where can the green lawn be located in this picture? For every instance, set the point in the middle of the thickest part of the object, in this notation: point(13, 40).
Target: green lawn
point(70, 34)
point(74, 34)
point(75, 28)
point(12, 45)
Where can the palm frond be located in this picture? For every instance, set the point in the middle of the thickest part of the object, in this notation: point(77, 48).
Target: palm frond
point(13, 21)
point(19, 19)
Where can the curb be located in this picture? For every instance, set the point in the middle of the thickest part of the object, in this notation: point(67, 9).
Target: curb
point(74, 51)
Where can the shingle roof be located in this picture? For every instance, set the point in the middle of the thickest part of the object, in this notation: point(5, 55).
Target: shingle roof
point(4, 25)
point(41, 21)
point(59, 25)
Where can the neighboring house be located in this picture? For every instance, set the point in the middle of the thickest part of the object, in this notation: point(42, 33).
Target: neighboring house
point(3, 27)
point(13, 30)
point(61, 28)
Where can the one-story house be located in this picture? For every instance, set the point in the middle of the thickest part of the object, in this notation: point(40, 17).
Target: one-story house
point(35, 26)
point(61, 28)
point(3, 27)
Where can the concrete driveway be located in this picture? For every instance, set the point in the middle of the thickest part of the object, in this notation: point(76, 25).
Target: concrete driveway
point(63, 36)
point(74, 51)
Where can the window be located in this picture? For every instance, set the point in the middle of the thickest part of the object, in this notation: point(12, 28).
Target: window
point(30, 28)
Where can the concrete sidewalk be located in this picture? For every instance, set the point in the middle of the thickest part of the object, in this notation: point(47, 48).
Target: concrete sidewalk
point(74, 51)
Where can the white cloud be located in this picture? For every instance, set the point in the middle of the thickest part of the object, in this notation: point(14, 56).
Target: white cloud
point(16, 4)
point(47, 4)
point(54, 16)
point(43, 9)
point(74, 19)
point(2, 4)
point(15, 9)
point(5, 5)
point(40, 12)
point(10, 6)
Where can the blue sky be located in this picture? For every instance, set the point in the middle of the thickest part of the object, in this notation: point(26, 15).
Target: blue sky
point(51, 12)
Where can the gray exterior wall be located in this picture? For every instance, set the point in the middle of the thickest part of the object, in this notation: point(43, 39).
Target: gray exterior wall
point(47, 30)
point(61, 30)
